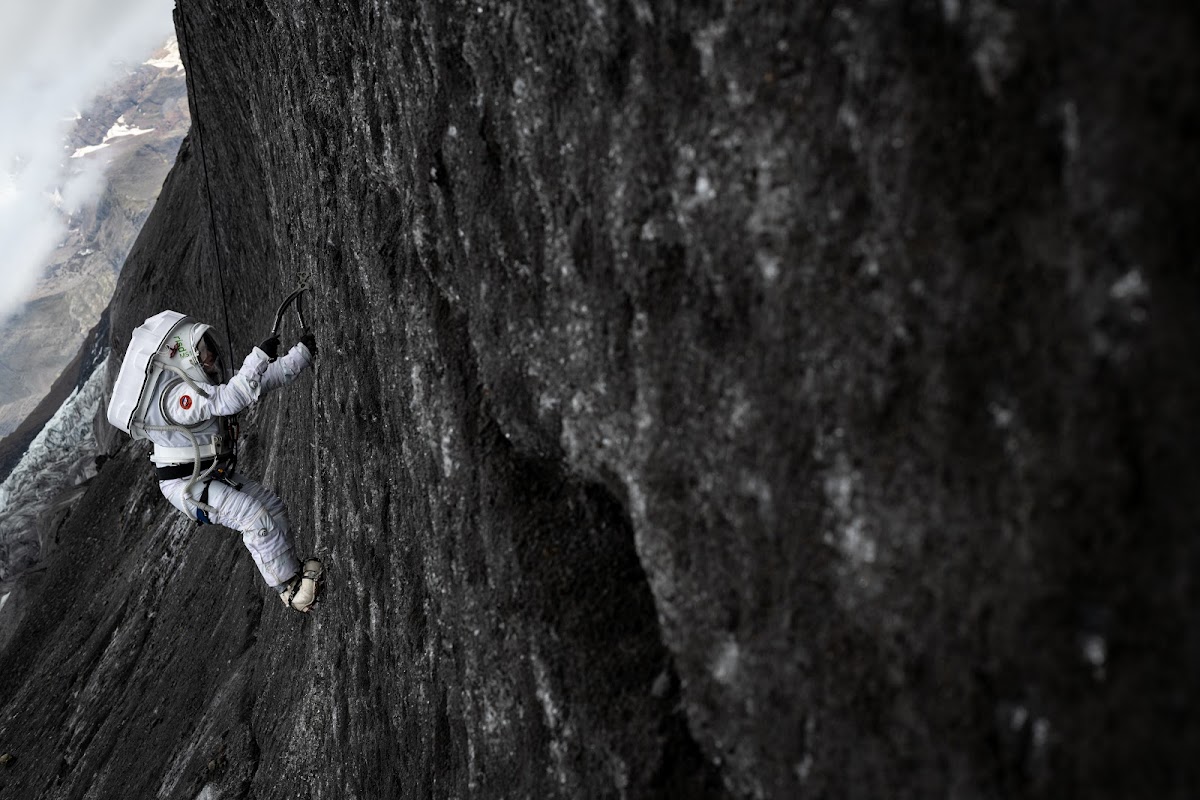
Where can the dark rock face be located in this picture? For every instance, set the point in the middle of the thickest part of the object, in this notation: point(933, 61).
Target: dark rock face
point(788, 401)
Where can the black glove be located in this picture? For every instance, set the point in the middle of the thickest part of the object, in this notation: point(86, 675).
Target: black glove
point(270, 347)
point(309, 341)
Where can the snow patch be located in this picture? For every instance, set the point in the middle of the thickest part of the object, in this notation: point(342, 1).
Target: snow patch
point(119, 130)
point(170, 59)
point(92, 148)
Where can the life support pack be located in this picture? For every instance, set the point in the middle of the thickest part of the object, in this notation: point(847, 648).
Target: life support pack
point(168, 341)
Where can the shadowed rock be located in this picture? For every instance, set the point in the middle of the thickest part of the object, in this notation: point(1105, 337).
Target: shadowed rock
point(772, 400)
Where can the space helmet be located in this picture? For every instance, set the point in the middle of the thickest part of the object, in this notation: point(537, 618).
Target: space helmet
point(190, 346)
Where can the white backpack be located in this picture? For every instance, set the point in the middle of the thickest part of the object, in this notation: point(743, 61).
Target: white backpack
point(149, 354)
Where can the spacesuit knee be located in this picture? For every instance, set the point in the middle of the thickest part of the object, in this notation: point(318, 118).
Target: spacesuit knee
point(269, 500)
point(271, 546)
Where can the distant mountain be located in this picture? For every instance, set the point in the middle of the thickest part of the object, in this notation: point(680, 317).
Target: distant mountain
point(136, 125)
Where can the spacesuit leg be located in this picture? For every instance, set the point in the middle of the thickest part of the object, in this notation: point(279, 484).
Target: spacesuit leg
point(262, 519)
point(300, 593)
point(270, 501)
point(257, 513)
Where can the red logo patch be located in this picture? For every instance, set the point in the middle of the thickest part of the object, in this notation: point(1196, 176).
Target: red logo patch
point(186, 401)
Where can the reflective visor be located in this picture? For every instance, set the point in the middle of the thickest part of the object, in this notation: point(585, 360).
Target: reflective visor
point(209, 354)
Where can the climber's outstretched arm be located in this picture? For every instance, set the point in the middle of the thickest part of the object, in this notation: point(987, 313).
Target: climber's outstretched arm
point(243, 390)
point(284, 370)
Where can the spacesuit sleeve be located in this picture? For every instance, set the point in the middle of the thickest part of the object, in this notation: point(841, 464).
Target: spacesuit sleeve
point(284, 370)
point(243, 390)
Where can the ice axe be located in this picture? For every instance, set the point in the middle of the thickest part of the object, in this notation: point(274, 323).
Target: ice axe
point(296, 299)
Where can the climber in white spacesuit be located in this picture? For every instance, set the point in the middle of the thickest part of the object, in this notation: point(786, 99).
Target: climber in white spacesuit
point(184, 409)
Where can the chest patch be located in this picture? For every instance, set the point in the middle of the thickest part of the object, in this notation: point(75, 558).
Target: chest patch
point(185, 402)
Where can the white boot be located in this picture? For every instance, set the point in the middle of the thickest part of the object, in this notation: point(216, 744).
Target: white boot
point(302, 590)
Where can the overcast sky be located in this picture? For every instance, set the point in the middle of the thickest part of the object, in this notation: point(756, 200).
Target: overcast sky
point(55, 55)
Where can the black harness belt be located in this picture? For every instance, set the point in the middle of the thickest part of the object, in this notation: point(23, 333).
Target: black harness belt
point(180, 470)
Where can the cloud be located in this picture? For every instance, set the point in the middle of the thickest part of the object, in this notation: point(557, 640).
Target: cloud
point(83, 185)
point(55, 56)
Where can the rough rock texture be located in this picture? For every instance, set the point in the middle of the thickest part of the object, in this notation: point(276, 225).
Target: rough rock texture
point(759, 400)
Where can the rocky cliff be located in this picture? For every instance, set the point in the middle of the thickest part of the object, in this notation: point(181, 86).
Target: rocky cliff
point(757, 399)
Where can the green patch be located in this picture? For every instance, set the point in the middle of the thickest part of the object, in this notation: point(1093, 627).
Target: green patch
point(181, 349)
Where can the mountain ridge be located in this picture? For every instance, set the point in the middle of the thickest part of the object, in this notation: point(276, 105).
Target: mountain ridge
point(39, 340)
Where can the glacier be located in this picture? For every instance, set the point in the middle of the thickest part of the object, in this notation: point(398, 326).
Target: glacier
point(61, 456)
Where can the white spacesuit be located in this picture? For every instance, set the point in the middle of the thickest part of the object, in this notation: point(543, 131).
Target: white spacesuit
point(183, 408)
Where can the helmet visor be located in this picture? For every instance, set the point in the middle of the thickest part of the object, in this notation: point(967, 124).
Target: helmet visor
point(210, 357)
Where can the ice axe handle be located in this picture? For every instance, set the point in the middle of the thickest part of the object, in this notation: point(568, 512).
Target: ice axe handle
point(294, 297)
point(300, 313)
